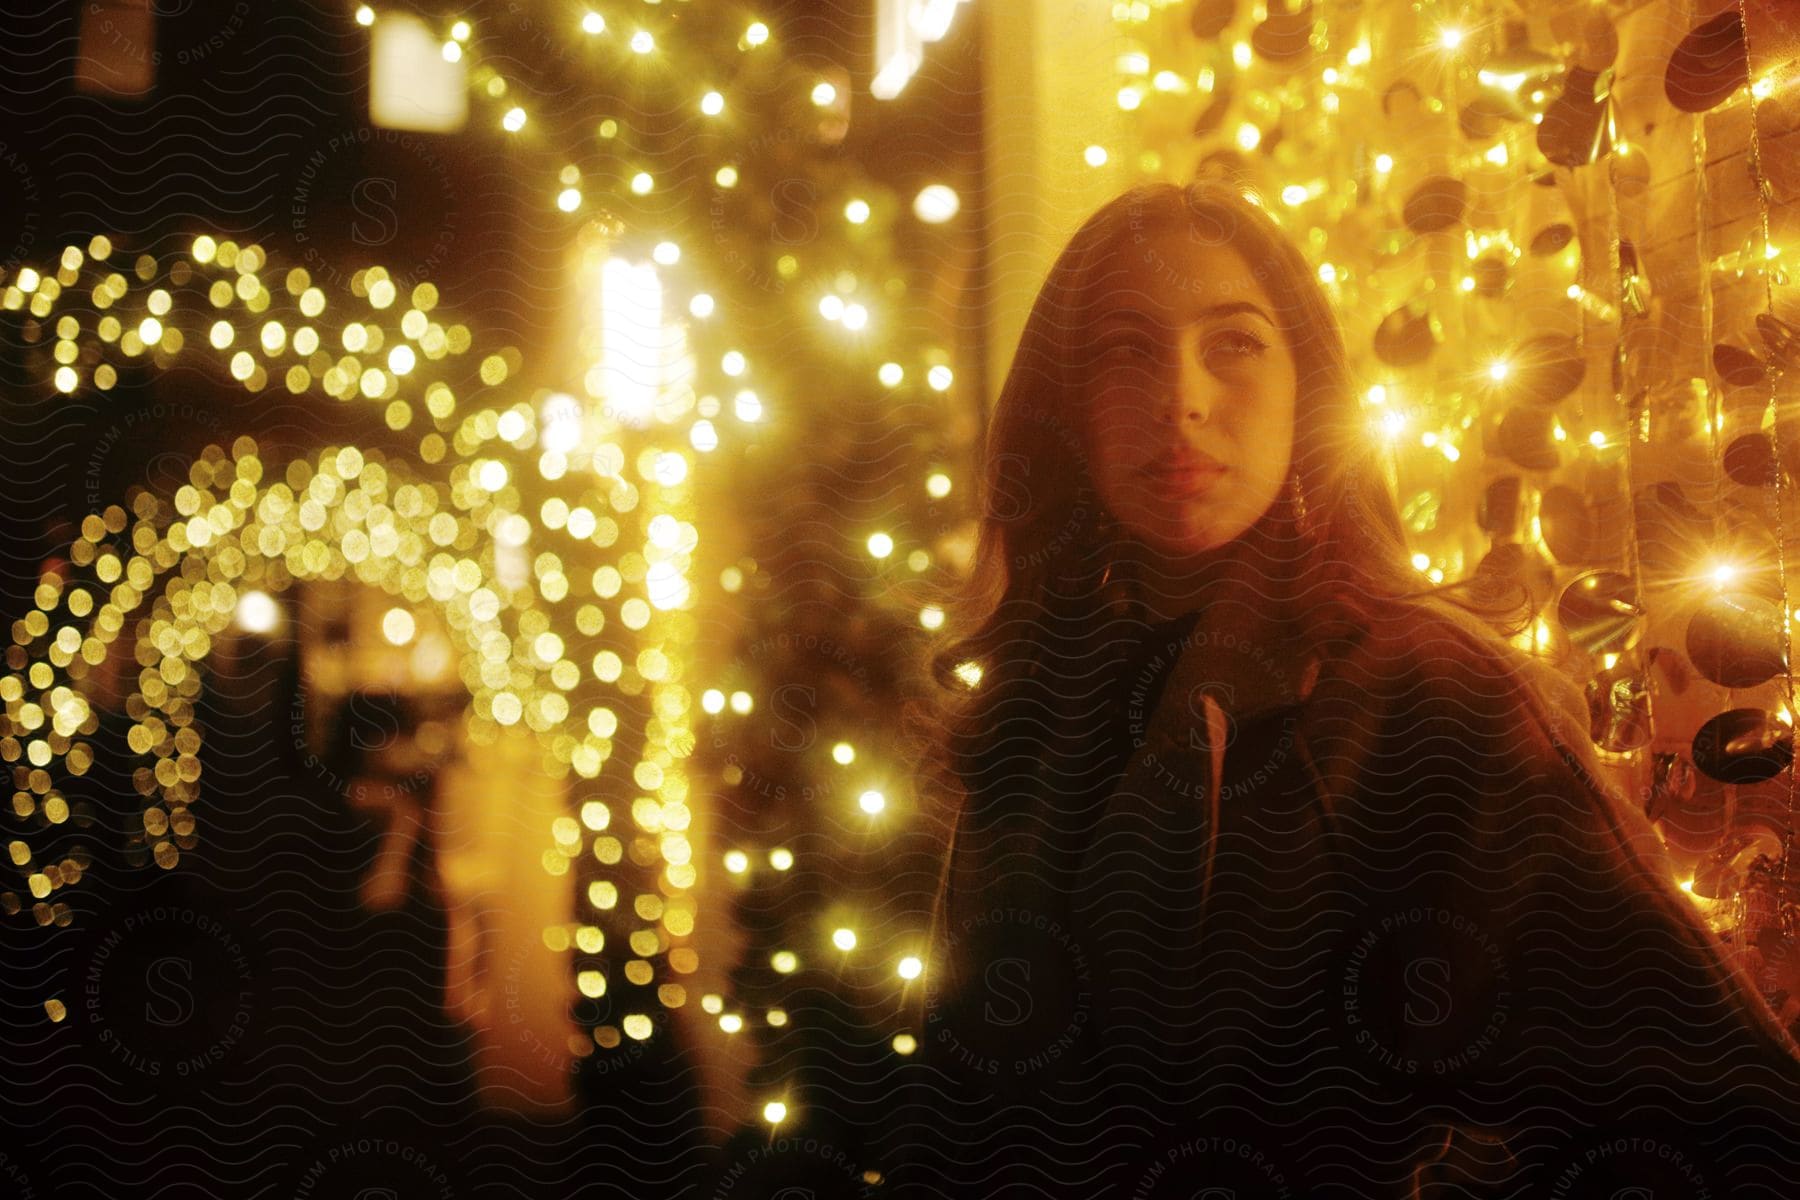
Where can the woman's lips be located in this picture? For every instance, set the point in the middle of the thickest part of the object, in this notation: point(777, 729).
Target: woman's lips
point(1184, 480)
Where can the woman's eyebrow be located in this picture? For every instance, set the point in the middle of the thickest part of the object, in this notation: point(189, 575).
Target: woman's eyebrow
point(1235, 306)
point(1133, 316)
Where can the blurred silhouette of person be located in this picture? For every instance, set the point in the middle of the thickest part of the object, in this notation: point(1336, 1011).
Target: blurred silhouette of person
point(406, 1049)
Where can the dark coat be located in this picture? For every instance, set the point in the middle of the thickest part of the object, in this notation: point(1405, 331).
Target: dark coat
point(1434, 960)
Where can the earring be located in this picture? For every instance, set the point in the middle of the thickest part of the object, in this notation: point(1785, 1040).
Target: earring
point(1106, 544)
point(1115, 588)
point(1304, 520)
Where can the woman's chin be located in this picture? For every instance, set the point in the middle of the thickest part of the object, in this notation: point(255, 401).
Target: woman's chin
point(1182, 542)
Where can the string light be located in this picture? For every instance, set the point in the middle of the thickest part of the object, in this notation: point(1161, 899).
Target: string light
point(171, 573)
point(398, 626)
point(257, 612)
point(936, 204)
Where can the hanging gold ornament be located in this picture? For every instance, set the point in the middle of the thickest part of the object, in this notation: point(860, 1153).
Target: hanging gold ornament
point(1750, 460)
point(1619, 709)
point(1599, 611)
point(1577, 128)
point(1436, 204)
point(1518, 80)
point(1673, 783)
point(1725, 52)
point(1571, 529)
point(1401, 101)
point(1502, 508)
point(1210, 18)
point(1527, 436)
point(1481, 119)
point(1409, 335)
point(1285, 38)
point(1738, 367)
point(1724, 871)
point(1735, 640)
point(1552, 238)
point(1492, 273)
point(1634, 286)
point(1216, 108)
point(1744, 746)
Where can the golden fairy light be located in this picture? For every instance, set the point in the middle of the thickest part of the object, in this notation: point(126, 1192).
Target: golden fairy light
point(551, 535)
point(548, 640)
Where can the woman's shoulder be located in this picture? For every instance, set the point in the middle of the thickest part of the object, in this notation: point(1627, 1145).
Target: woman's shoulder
point(1413, 669)
point(1408, 648)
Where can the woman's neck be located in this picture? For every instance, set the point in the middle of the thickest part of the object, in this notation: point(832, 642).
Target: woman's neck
point(1249, 582)
point(1247, 625)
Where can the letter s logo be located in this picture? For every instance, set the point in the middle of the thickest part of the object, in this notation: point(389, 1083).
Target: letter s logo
point(373, 722)
point(800, 722)
point(1199, 729)
point(377, 221)
point(166, 980)
point(1009, 982)
point(796, 223)
point(1428, 991)
point(1012, 494)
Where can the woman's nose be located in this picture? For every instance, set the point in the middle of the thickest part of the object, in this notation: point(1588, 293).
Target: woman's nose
point(1195, 392)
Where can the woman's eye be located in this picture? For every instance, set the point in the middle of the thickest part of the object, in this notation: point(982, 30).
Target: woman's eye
point(1130, 348)
point(1241, 344)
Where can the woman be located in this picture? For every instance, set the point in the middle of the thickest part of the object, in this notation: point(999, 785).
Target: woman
point(1270, 873)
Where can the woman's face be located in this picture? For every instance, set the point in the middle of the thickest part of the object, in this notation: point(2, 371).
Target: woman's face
point(1191, 396)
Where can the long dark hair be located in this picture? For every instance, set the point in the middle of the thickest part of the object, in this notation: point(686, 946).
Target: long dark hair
point(1028, 604)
